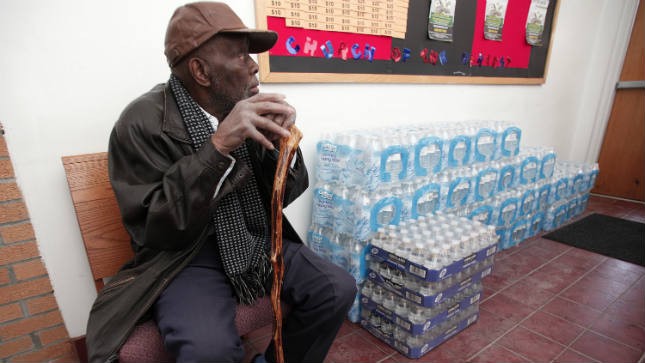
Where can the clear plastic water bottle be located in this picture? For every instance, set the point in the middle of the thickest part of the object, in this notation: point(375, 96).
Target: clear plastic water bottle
point(443, 179)
point(356, 263)
point(355, 171)
point(323, 206)
point(518, 232)
point(328, 167)
point(528, 202)
point(412, 283)
point(378, 239)
point(398, 277)
point(418, 253)
point(459, 149)
point(507, 210)
point(363, 226)
point(343, 210)
point(459, 190)
point(394, 160)
point(547, 163)
point(485, 144)
point(385, 214)
point(593, 174)
point(507, 175)
point(510, 141)
point(543, 194)
point(340, 243)
point(402, 308)
point(389, 302)
point(367, 288)
point(318, 240)
point(378, 294)
point(529, 167)
point(485, 182)
point(404, 249)
point(416, 315)
point(428, 156)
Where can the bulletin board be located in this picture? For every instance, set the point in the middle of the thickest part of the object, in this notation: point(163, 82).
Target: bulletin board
point(387, 41)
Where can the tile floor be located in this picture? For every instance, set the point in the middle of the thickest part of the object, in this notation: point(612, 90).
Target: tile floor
point(544, 302)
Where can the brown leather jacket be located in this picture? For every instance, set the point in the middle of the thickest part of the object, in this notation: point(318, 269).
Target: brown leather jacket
point(165, 193)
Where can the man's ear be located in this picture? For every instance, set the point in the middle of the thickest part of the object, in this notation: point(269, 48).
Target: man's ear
point(199, 71)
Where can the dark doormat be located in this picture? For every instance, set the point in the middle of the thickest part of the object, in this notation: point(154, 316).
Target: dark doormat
point(609, 236)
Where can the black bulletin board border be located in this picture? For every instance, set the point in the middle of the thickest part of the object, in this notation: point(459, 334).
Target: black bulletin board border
point(286, 69)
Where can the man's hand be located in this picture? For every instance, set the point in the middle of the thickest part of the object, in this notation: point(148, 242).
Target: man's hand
point(265, 117)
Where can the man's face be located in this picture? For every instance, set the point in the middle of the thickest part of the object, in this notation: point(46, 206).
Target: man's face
point(232, 71)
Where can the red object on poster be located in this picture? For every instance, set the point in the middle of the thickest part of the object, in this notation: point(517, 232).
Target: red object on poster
point(513, 45)
point(300, 42)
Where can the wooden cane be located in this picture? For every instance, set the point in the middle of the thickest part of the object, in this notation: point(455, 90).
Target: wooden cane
point(288, 147)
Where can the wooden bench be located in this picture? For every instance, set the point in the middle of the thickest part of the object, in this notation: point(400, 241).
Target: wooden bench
point(107, 245)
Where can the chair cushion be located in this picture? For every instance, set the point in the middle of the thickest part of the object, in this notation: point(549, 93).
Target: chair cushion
point(146, 346)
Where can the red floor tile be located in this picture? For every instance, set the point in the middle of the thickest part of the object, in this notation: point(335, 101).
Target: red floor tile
point(347, 328)
point(590, 258)
point(636, 216)
point(605, 349)
point(355, 348)
point(487, 291)
point(572, 311)
point(571, 356)
point(375, 341)
point(549, 281)
point(618, 267)
point(531, 345)
point(465, 344)
point(629, 311)
point(488, 328)
point(572, 266)
point(555, 247)
point(388, 360)
point(596, 299)
point(497, 353)
point(503, 254)
point(552, 278)
point(541, 254)
point(437, 355)
point(625, 331)
point(491, 326)
point(612, 207)
point(553, 327)
point(506, 308)
point(611, 272)
point(529, 292)
point(626, 208)
point(525, 263)
point(598, 282)
point(503, 275)
point(635, 295)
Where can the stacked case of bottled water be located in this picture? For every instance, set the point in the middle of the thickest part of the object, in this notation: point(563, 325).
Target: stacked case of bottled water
point(372, 178)
point(571, 183)
point(368, 179)
point(424, 280)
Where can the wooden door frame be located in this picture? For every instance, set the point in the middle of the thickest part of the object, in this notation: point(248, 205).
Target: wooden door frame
point(608, 91)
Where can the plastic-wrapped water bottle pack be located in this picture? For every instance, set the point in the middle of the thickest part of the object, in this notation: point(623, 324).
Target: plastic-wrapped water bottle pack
point(388, 178)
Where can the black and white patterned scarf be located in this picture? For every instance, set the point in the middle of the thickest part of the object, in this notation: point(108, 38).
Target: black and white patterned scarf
point(240, 220)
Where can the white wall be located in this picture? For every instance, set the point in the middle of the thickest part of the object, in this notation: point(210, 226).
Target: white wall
point(68, 68)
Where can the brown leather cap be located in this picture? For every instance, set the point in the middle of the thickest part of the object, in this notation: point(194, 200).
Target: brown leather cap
point(193, 24)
